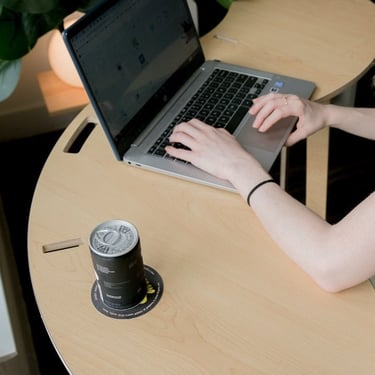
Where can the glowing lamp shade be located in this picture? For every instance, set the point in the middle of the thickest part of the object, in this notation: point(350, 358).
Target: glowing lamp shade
point(60, 60)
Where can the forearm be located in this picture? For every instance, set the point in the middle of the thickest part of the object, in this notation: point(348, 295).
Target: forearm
point(298, 231)
point(330, 254)
point(358, 121)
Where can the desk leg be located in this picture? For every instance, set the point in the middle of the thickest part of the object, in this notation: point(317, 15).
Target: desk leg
point(317, 154)
point(283, 167)
point(317, 172)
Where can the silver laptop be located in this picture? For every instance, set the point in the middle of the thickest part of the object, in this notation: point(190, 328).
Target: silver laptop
point(144, 70)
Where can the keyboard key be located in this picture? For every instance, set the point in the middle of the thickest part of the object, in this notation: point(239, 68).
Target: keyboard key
point(236, 119)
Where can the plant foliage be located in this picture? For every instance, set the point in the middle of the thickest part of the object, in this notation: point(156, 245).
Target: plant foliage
point(22, 23)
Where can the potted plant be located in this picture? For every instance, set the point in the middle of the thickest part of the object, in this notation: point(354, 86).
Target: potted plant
point(22, 23)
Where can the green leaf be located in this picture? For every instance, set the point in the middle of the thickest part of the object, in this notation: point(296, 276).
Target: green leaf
point(86, 5)
point(13, 41)
point(45, 6)
point(20, 31)
point(225, 3)
point(30, 6)
point(9, 77)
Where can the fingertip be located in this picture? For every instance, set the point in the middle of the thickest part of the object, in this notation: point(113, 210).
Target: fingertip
point(257, 123)
point(252, 110)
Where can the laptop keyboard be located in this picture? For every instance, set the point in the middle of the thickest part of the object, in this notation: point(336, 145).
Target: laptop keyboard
point(222, 101)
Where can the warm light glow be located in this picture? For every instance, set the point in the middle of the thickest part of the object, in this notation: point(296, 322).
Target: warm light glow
point(60, 60)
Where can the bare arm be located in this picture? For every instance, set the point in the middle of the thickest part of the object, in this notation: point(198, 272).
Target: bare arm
point(335, 256)
point(357, 121)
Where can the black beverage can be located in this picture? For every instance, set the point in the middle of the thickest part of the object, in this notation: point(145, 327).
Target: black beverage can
point(116, 254)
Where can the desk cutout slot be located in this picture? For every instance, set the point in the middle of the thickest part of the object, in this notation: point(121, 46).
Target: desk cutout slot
point(79, 138)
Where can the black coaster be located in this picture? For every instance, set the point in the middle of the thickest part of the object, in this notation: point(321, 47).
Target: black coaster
point(154, 293)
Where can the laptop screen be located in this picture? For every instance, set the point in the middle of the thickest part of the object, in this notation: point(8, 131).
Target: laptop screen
point(132, 56)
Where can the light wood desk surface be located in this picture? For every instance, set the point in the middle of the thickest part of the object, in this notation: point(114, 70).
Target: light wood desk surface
point(233, 303)
point(329, 42)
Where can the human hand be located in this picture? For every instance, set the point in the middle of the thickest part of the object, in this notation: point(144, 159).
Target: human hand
point(270, 108)
point(217, 152)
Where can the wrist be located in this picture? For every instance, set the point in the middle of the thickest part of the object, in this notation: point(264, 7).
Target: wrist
point(256, 187)
point(331, 115)
point(245, 174)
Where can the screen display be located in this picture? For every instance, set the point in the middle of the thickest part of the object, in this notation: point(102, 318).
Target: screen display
point(133, 57)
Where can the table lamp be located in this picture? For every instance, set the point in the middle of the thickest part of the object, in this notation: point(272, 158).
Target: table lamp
point(60, 60)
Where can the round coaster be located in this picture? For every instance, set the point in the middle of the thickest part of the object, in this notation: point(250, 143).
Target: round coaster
point(154, 292)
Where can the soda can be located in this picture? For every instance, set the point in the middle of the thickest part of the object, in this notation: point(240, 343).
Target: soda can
point(116, 255)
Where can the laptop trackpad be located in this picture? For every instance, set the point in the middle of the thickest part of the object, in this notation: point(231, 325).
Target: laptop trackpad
point(271, 140)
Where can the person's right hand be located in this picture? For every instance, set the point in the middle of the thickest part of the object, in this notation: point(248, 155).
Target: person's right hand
point(217, 152)
point(270, 108)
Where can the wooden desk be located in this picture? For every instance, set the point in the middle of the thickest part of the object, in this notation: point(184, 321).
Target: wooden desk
point(232, 301)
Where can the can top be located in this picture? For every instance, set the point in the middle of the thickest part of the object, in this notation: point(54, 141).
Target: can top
point(113, 238)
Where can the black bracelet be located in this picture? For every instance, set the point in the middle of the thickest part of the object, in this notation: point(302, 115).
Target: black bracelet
point(256, 187)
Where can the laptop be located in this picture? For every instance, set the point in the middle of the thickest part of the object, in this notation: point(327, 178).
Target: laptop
point(144, 71)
